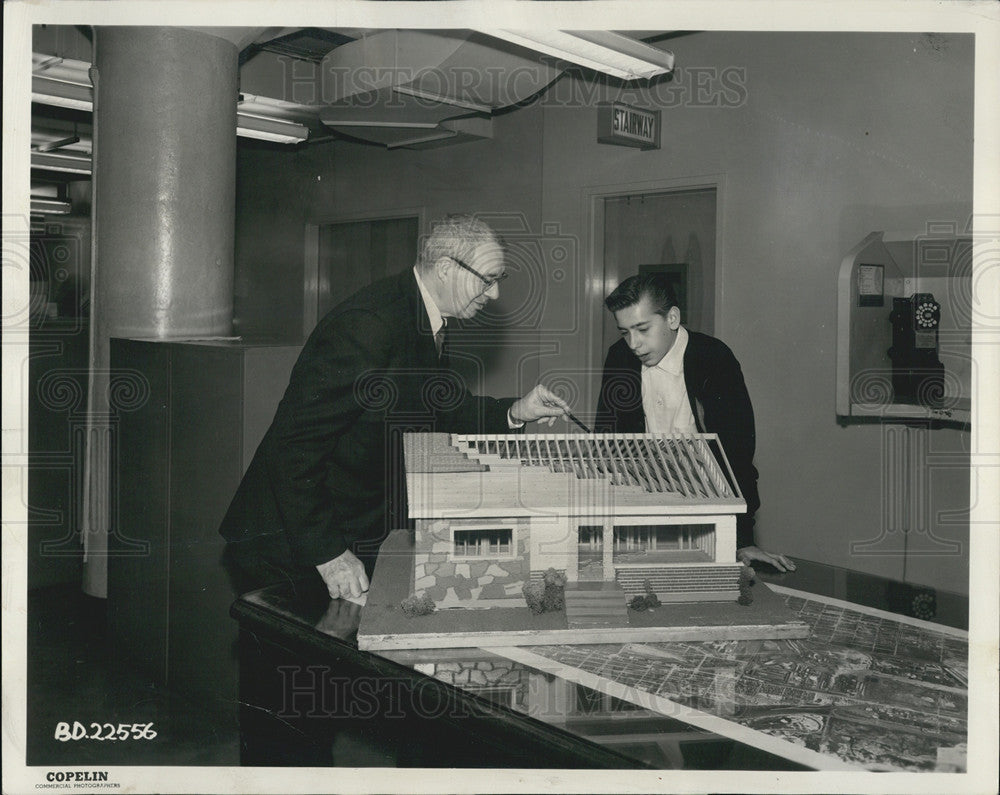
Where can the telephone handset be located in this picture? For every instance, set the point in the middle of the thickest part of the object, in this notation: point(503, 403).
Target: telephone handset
point(917, 373)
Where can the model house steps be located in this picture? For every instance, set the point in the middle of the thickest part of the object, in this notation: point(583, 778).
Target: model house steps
point(667, 584)
point(593, 604)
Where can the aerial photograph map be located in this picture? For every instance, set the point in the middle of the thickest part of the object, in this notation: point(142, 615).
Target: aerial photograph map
point(864, 689)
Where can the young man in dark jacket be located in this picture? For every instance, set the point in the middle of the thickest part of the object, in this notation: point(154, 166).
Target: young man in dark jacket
point(661, 378)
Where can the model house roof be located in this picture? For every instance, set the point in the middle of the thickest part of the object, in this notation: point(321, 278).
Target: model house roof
point(509, 475)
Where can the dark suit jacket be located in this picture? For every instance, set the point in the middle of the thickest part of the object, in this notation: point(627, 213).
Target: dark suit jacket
point(719, 401)
point(329, 470)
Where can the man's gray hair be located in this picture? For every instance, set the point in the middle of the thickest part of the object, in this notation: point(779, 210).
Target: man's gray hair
point(455, 236)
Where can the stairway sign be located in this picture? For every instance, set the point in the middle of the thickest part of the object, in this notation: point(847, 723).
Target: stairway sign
point(625, 125)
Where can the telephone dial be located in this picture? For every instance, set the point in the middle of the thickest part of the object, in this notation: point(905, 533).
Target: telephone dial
point(917, 373)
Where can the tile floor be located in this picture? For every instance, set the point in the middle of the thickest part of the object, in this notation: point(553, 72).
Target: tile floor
point(73, 676)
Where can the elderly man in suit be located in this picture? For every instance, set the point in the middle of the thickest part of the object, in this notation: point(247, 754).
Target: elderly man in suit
point(660, 377)
point(326, 482)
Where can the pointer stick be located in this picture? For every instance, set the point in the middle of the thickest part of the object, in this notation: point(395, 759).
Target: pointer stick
point(585, 428)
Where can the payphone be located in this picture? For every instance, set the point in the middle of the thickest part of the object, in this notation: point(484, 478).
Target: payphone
point(917, 373)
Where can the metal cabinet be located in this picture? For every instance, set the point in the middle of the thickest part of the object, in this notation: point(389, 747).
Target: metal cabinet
point(180, 452)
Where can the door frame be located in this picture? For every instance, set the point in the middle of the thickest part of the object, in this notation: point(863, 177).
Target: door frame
point(596, 282)
point(312, 289)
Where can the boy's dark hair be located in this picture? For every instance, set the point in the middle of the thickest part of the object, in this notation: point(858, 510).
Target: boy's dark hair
point(631, 291)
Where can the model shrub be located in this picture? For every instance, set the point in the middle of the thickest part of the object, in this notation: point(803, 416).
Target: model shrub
point(553, 578)
point(638, 603)
point(534, 594)
point(547, 595)
point(414, 605)
point(553, 600)
point(646, 601)
point(746, 597)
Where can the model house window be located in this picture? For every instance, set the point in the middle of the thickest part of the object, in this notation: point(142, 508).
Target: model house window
point(591, 536)
point(653, 537)
point(482, 543)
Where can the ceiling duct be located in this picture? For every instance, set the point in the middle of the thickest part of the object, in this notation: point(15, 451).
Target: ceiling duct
point(303, 44)
point(424, 88)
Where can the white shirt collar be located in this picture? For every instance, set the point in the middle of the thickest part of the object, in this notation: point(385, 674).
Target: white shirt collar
point(673, 361)
point(433, 313)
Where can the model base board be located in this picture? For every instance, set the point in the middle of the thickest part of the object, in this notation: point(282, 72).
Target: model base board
point(385, 626)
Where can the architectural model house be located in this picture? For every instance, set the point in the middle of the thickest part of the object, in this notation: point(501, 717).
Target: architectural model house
point(618, 514)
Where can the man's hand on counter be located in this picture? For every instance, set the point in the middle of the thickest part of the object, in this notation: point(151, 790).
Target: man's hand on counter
point(344, 576)
point(749, 555)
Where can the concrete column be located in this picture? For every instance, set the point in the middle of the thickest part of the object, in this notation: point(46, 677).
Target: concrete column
point(164, 215)
point(166, 181)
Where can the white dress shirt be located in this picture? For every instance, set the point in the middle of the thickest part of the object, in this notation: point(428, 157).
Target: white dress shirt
point(433, 313)
point(664, 393)
point(438, 322)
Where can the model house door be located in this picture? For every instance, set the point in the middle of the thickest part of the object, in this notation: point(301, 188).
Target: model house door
point(590, 553)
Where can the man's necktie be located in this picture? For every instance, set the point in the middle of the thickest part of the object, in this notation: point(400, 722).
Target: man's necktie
point(439, 342)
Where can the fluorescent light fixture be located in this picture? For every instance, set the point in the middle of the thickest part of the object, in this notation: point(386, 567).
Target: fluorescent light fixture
point(601, 50)
point(330, 120)
point(50, 206)
point(66, 83)
point(63, 162)
point(61, 81)
point(263, 128)
point(431, 96)
point(72, 95)
point(61, 93)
